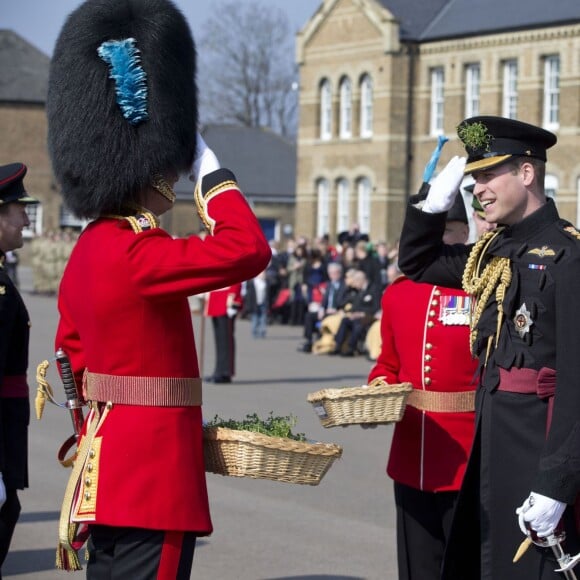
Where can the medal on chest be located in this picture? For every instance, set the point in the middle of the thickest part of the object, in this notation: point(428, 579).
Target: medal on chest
point(455, 310)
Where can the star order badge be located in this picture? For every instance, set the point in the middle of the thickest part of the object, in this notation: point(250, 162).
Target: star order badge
point(523, 320)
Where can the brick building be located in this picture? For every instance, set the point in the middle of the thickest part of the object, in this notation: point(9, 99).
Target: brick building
point(380, 80)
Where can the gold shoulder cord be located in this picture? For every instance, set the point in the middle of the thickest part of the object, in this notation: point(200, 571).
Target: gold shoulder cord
point(497, 276)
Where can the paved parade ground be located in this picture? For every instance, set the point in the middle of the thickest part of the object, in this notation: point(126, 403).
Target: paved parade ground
point(342, 529)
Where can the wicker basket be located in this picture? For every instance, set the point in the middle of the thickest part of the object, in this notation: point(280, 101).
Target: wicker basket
point(377, 403)
point(249, 454)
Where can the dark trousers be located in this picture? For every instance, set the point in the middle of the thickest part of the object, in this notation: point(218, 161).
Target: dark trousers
point(423, 524)
point(310, 321)
point(8, 517)
point(123, 553)
point(225, 347)
point(353, 328)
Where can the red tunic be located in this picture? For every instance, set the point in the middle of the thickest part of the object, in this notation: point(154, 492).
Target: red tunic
point(124, 311)
point(217, 300)
point(425, 341)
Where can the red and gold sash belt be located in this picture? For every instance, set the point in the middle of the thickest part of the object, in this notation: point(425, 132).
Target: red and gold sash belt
point(145, 391)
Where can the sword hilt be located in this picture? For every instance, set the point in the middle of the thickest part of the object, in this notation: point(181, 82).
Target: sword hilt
point(73, 401)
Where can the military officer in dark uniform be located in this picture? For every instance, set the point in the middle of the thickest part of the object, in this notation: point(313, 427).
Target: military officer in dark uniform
point(525, 278)
point(14, 333)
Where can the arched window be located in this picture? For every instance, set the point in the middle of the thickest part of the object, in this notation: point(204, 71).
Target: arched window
point(366, 106)
point(363, 187)
point(345, 108)
point(325, 109)
point(343, 205)
point(323, 214)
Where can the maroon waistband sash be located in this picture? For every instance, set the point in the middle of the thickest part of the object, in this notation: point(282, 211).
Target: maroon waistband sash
point(14, 387)
point(530, 382)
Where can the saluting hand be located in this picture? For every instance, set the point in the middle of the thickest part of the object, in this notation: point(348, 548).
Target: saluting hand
point(205, 162)
point(445, 187)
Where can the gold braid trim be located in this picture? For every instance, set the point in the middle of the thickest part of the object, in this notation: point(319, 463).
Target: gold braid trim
point(161, 185)
point(497, 276)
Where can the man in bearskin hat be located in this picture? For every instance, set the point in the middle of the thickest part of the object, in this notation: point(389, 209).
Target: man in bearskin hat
point(525, 280)
point(14, 337)
point(122, 120)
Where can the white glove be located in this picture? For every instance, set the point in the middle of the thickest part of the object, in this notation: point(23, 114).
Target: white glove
point(2, 491)
point(541, 513)
point(231, 311)
point(444, 188)
point(205, 162)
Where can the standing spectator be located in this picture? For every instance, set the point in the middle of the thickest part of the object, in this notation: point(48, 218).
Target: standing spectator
point(382, 256)
point(122, 118)
point(525, 277)
point(296, 267)
point(366, 261)
point(14, 336)
point(222, 306)
point(257, 304)
point(425, 341)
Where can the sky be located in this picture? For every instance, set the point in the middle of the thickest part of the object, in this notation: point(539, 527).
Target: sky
point(39, 21)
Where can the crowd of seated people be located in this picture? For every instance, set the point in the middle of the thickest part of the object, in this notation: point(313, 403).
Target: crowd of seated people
point(332, 292)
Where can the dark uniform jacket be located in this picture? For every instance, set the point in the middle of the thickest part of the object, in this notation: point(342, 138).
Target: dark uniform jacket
point(14, 402)
point(528, 403)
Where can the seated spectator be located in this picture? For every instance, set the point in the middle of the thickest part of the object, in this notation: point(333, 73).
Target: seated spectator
point(335, 295)
point(358, 316)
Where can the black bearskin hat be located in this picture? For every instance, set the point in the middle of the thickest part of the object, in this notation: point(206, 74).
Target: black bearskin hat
point(122, 101)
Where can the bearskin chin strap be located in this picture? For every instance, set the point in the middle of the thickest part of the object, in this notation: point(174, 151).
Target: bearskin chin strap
point(164, 188)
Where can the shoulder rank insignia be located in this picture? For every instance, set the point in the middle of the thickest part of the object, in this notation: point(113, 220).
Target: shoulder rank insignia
point(542, 252)
point(572, 231)
point(142, 222)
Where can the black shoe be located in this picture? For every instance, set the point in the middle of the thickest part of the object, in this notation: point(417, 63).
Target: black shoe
point(306, 347)
point(348, 352)
point(222, 379)
point(334, 352)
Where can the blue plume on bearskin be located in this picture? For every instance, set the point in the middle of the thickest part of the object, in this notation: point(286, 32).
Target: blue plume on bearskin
point(122, 56)
point(104, 146)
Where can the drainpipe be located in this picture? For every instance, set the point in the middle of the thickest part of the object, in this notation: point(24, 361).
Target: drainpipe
point(412, 51)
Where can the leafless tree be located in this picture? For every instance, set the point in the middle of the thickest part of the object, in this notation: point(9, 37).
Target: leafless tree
point(247, 75)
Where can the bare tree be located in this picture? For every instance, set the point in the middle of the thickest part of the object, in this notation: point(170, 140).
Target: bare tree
point(247, 74)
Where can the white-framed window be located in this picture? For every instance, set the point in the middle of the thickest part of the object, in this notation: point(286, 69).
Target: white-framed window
point(364, 204)
point(472, 89)
point(551, 185)
point(323, 207)
point(34, 212)
point(342, 205)
point(325, 110)
point(552, 92)
point(437, 101)
point(509, 106)
point(345, 108)
point(366, 106)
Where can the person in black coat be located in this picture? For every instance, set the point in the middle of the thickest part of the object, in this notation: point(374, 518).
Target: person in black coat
point(358, 316)
point(14, 337)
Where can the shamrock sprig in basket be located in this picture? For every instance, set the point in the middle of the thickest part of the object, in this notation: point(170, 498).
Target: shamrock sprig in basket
point(265, 449)
point(377, 402)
